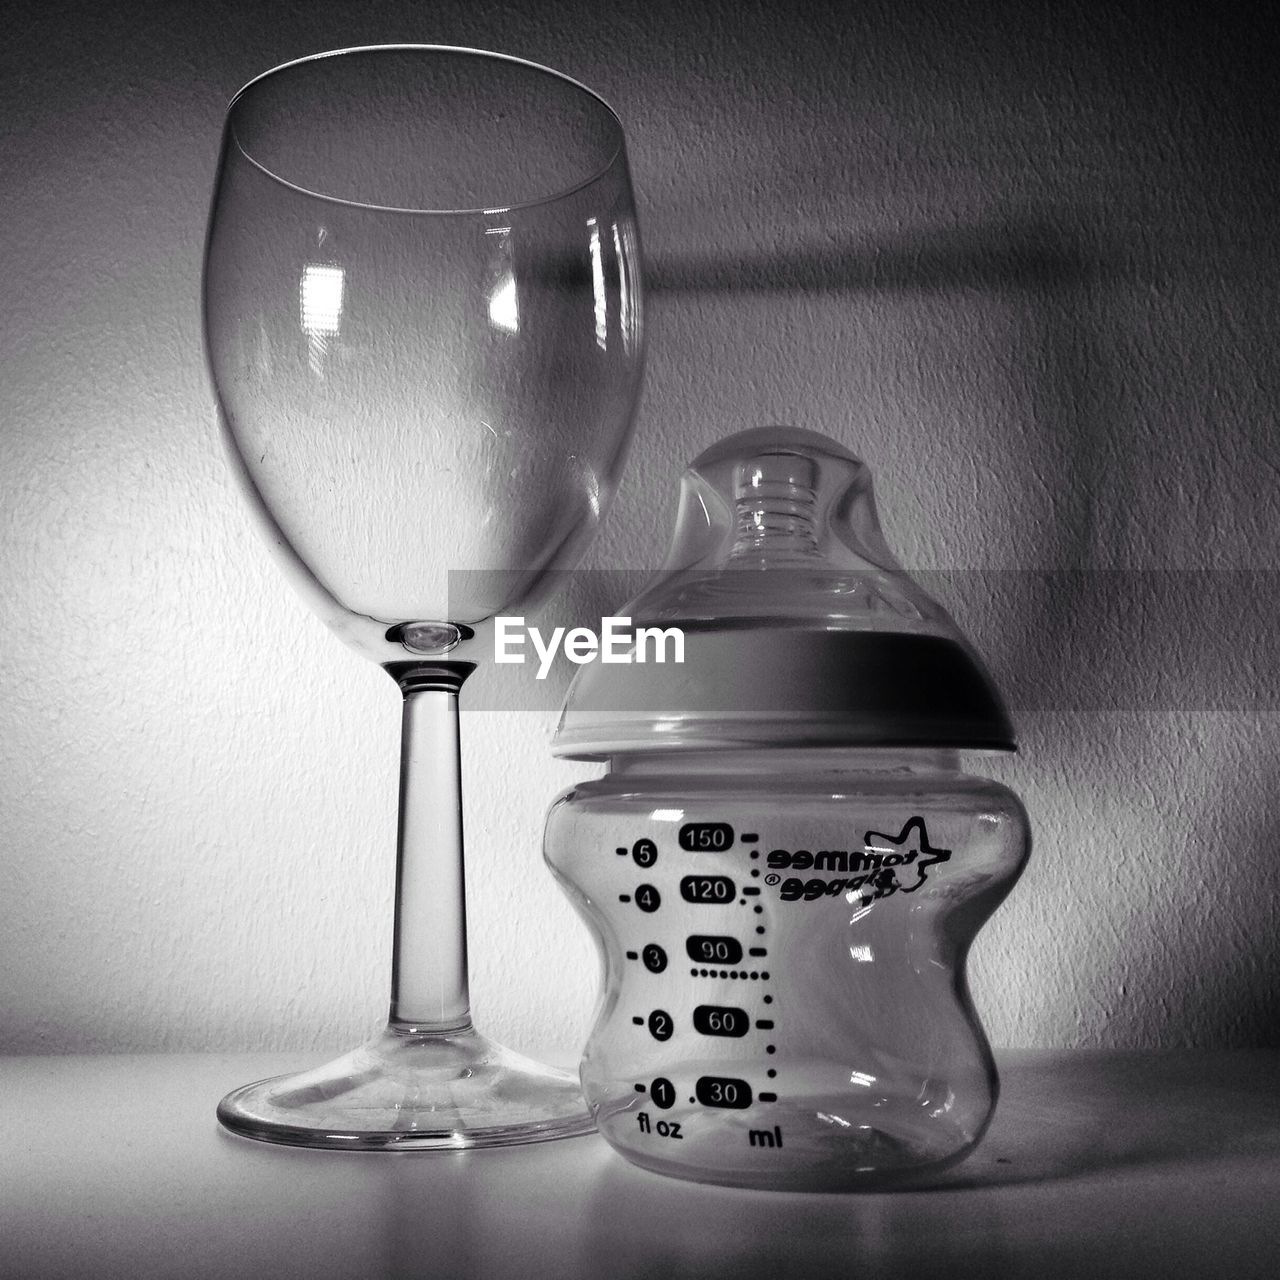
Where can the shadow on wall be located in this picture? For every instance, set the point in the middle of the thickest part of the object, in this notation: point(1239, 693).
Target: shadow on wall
point(990, 257)
point(1021, 257)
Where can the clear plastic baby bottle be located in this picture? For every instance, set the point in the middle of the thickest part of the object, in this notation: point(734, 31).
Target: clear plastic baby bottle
point(785, 865)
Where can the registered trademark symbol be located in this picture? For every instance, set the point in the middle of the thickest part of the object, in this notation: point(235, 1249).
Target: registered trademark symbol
point(772, 878)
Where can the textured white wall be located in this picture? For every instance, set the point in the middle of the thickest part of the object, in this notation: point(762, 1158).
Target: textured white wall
point(1023, 260)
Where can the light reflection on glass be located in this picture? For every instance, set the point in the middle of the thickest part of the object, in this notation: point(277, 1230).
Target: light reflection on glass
point(321, 293)
point(860, 904)
point(840, 1120)
point(592, 482)
point(862, 953)
point(862, 1078)
point(320, 297)
point(598, 288)
point(626, 319)
point(504, 310)
point(667, 815)
point(504, 303)
point(945, 1107)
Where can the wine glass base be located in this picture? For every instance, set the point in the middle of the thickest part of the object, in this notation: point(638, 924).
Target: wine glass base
point(413, 1090)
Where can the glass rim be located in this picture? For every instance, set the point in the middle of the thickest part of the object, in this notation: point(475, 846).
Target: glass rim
point(373, 207)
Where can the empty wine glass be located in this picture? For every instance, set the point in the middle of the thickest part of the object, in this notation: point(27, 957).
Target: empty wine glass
point(422, 310)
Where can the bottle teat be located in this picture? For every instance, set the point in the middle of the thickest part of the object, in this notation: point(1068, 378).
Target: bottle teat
point(798, 508)
point(774, 509)
point(800, 627)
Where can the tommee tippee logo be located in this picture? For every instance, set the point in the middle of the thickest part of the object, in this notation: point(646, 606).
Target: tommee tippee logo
point(885, 865)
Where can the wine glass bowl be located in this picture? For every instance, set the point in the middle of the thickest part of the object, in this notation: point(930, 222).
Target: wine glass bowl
point(423, 325)
point(422, 318)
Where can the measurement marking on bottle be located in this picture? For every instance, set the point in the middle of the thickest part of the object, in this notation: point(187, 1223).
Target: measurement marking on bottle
point(705, 947)
point(751, 890)
point(663, 1093)
point(721, 1020)
point(723, 1091)
point(708, 889)
point(621, 852)
point(639, 1021)
point(624, 897)
point(661, 1026)
point(765, 1137)
point(633, 955)
point(749, 837)
point(655, 959)
point(648, 898)
point(664, 1128)
point(645, 853)
point(705, 837)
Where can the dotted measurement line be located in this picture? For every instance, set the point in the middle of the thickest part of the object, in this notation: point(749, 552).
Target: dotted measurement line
point(762, 1024)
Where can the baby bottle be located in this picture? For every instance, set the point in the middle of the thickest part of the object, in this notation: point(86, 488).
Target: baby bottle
point(785, 865)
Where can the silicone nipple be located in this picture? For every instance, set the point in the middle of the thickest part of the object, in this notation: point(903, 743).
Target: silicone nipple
point(798, 508)
point(774, 506)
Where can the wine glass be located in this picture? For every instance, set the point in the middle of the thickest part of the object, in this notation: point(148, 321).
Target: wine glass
point(422, 311)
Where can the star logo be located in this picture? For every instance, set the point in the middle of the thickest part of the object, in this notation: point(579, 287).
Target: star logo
point(909, 851)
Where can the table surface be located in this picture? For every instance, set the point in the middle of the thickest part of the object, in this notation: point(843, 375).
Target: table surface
point(1097, 1164)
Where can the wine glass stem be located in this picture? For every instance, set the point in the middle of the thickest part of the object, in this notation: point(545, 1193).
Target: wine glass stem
point(429, 954)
